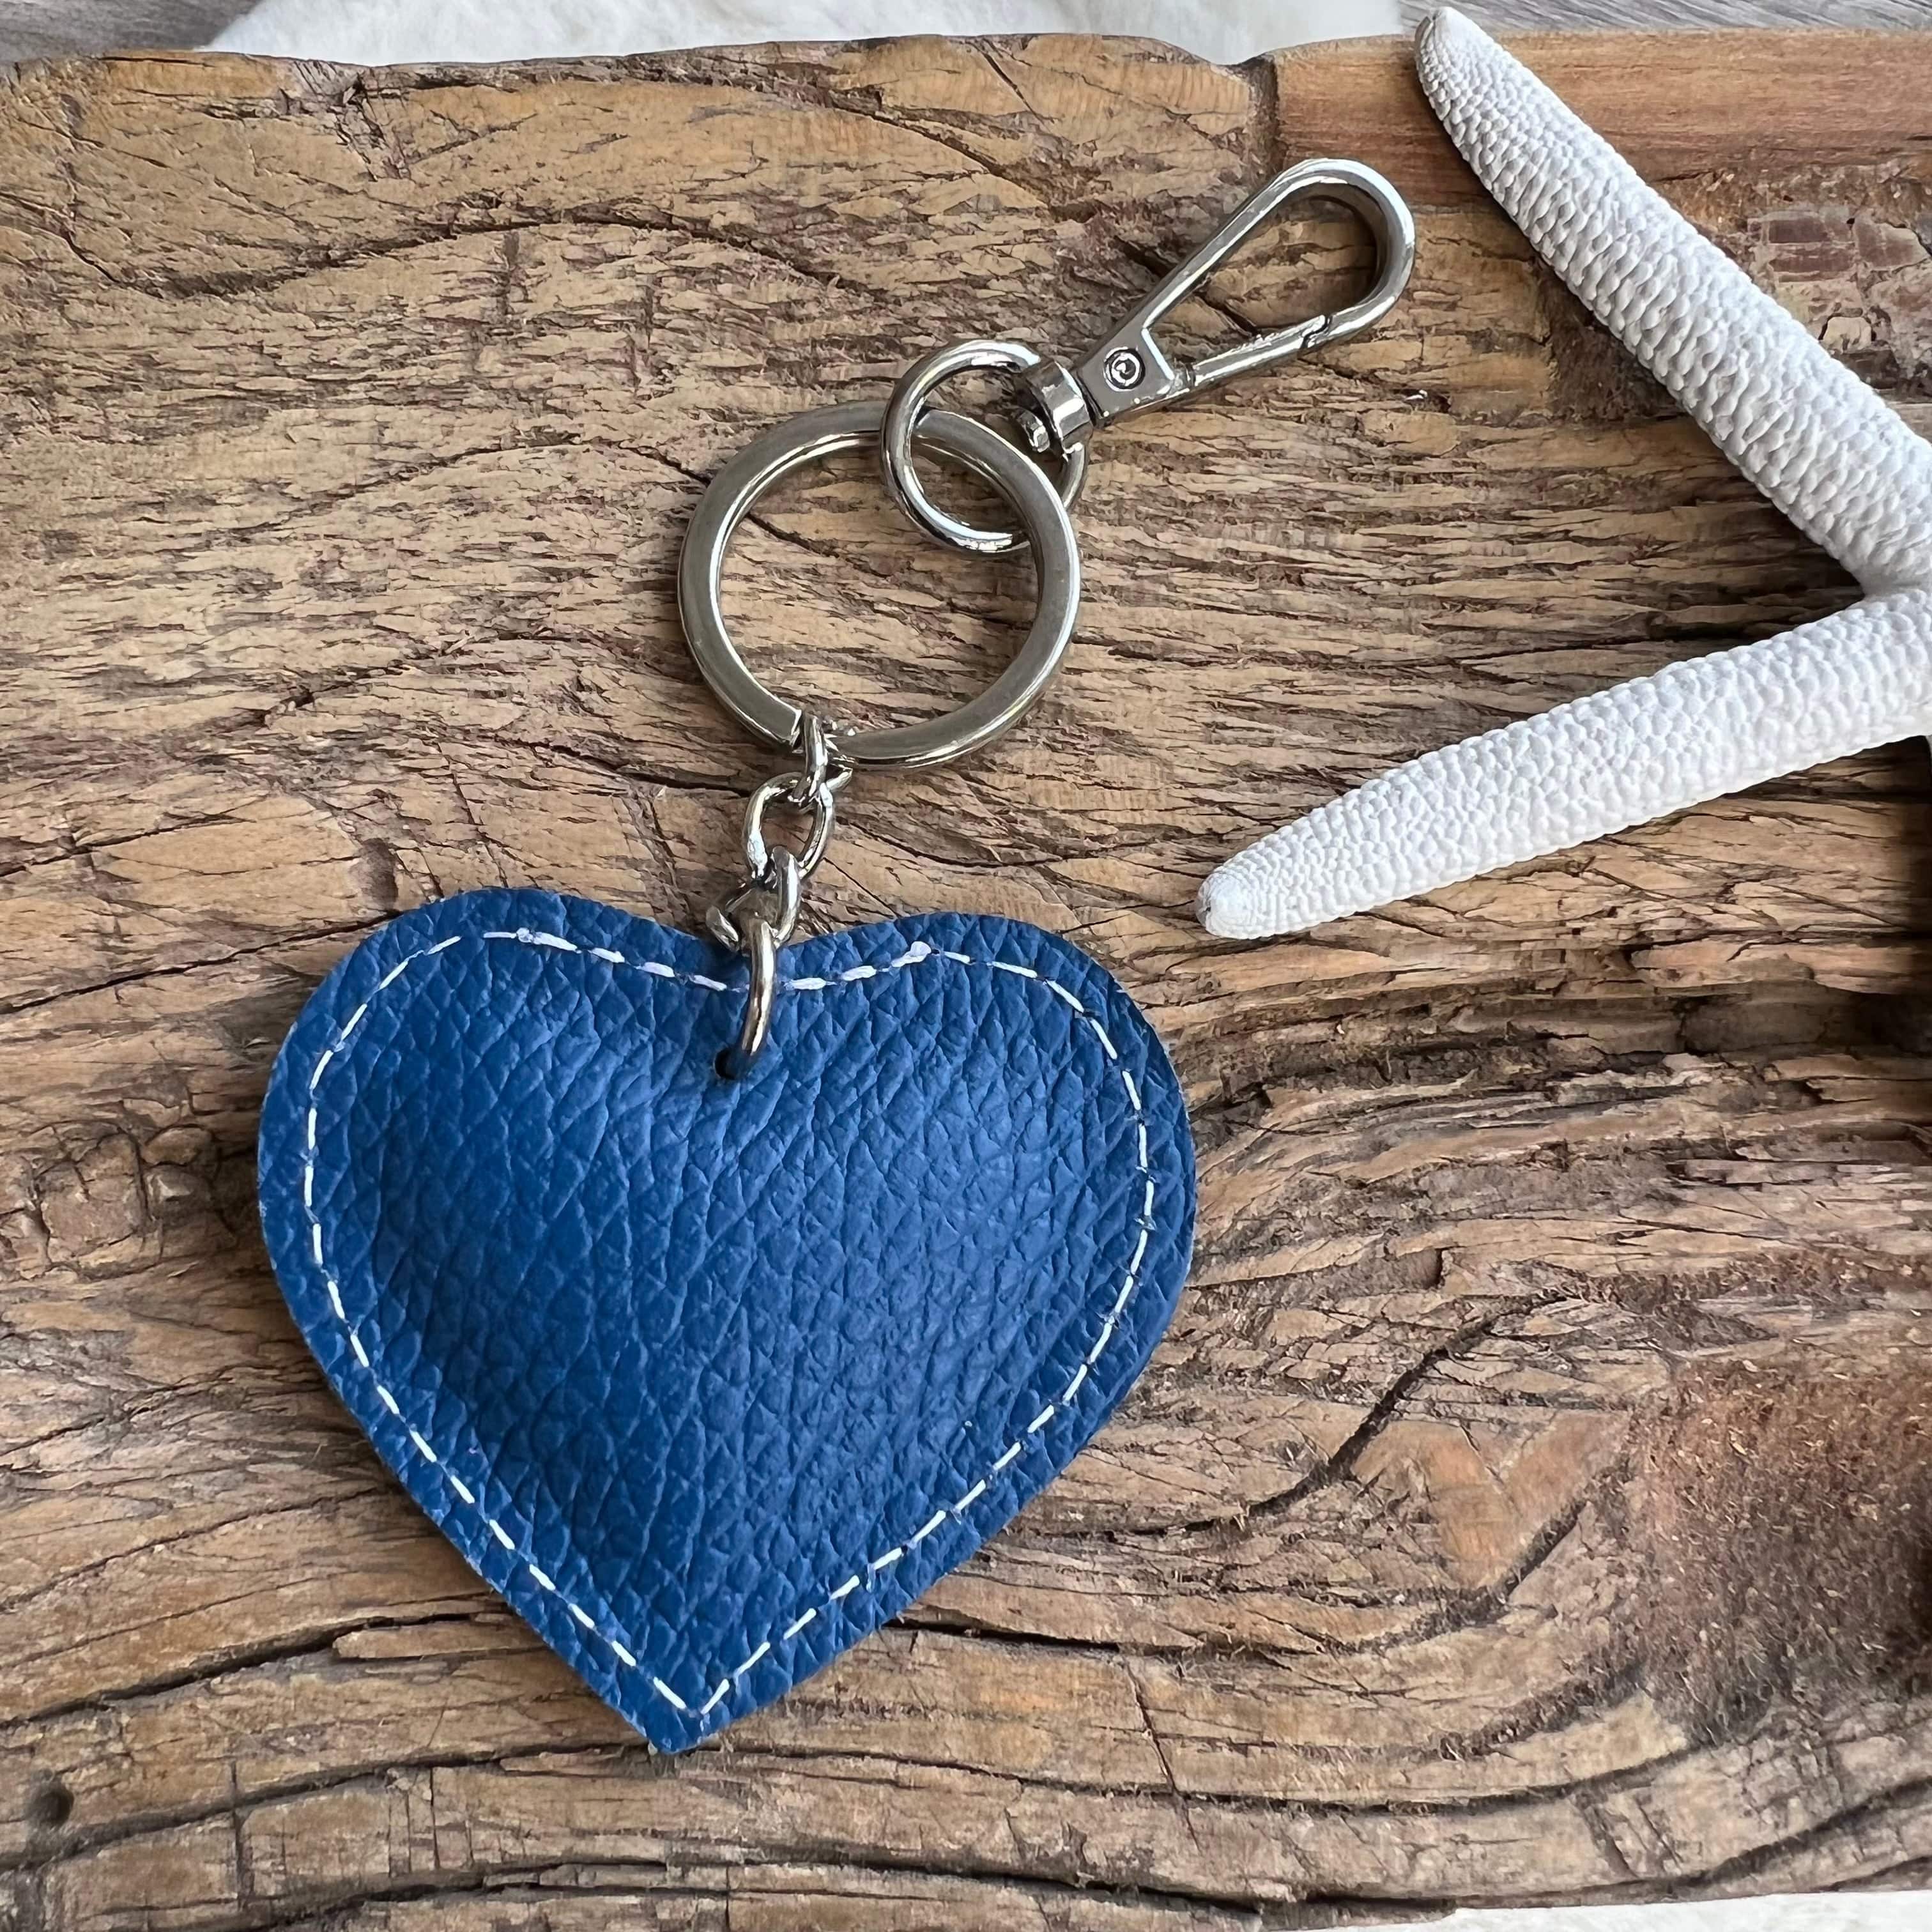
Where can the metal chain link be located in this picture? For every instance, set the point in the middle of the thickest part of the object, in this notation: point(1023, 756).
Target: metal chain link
point(757, 917)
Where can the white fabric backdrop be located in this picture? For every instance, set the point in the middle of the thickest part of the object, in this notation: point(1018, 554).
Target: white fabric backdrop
point(1837, 1911)
point(373, 32)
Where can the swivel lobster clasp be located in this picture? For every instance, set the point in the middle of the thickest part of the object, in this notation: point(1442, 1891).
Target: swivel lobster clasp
point(1130, 371)
point(1061, 407)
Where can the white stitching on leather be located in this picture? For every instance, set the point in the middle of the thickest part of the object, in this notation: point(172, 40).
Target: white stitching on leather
point(915, 955)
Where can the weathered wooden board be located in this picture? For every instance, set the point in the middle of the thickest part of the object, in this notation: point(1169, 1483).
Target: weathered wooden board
point(1534, 1499)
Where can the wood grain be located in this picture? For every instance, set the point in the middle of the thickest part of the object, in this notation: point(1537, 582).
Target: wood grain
point(1565, 1269)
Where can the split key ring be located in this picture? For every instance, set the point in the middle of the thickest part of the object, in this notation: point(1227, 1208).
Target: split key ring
point(809, 438)
point(1059, 408)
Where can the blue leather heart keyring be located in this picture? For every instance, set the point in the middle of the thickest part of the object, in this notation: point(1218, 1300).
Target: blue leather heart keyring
point(715, 1298)
point(710, 1377)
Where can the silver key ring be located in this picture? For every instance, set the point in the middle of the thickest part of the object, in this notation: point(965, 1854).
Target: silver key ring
point(1058, 408)
point(902, 423)
point(809, 438)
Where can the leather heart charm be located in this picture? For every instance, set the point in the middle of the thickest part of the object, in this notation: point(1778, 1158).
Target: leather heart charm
point(710, 1378)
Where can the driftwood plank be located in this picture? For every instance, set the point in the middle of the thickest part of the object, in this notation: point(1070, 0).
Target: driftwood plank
point(1533, 1499)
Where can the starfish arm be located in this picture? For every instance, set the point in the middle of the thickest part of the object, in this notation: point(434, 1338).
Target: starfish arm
point(1698, 730)
point(1824, 447)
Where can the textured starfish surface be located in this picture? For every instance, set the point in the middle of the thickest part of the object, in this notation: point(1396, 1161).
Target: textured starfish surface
point(1826, 450)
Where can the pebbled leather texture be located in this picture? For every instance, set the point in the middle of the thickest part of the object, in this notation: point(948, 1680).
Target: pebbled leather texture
point(709, 1379)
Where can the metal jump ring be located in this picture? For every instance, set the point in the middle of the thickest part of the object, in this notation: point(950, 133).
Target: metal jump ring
point(904, 411)
point(760, 946)
point(773, 895)
point(826, 773)
point(823, 809)
point(810, 438)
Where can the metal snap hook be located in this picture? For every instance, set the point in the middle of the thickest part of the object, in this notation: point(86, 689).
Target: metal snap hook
point(1061, 407)
point(1129, 370)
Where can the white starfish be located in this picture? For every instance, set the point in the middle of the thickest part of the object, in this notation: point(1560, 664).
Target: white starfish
point(1823, 447)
